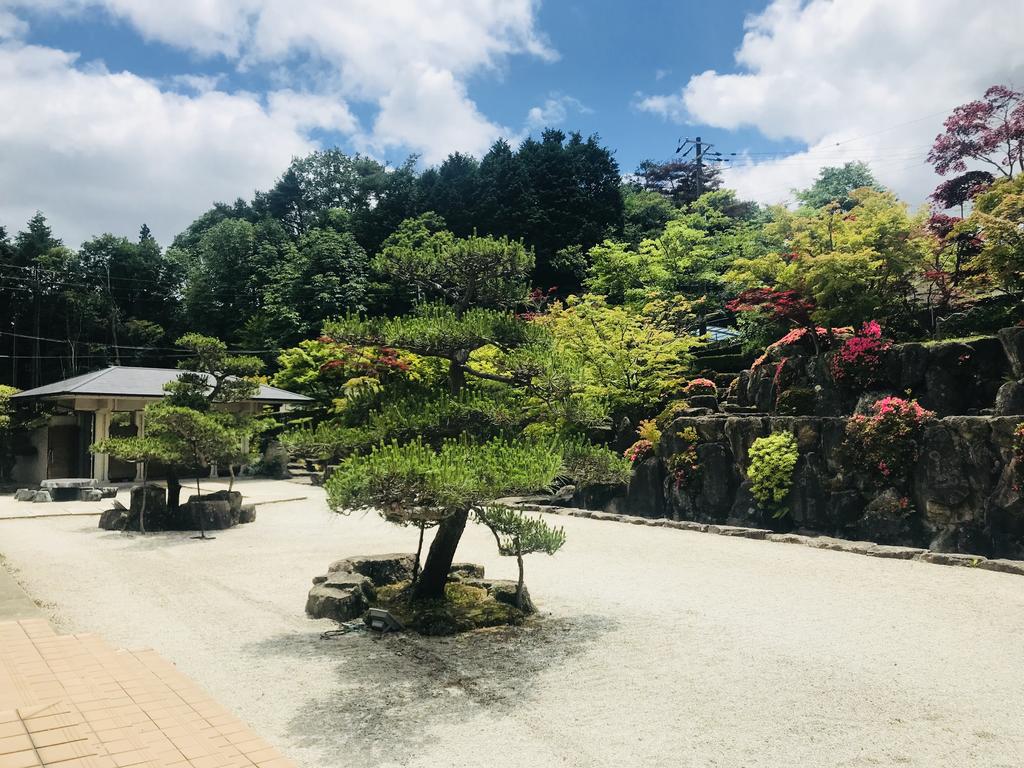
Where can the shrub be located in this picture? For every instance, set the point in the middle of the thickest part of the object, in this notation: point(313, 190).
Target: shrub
point(887, 440)
point(586, 464)
point(684, 466)
point(859, 359)
point(772, 461)
point(796, 401)
point(649, 431)
point(639, 451)
point(670, 413)
point(701, 387)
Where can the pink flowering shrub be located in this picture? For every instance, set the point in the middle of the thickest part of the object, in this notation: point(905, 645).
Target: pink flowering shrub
point(798, 338)
point(639, 451)
point(859, 360)
point(701, 387)
point(888, 440)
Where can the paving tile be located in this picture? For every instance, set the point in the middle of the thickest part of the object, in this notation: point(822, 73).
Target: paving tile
point(76, 702)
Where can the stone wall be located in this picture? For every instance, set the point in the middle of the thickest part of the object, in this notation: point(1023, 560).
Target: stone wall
point(964, 494)
point(950, 378)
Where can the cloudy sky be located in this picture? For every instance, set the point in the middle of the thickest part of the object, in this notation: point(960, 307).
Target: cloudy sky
point(122, 111)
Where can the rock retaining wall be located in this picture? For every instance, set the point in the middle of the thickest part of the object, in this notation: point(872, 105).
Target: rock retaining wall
point(963, 495)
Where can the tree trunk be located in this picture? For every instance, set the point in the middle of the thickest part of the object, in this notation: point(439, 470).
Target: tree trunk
point(440, 557)
point(456, 377)
point(142, 507)
point(173, 491)
point(419, 552)
point(519, 586)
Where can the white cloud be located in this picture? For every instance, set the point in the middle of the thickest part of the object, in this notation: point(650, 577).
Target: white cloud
point(864, 80)
point(429, 112)
point(163, 150)
point(554, 111)
point(105, 151)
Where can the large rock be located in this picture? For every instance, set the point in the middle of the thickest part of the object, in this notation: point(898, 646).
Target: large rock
point(91, 494)
point(718, 480)
point(1012, 340)
point(380, 569)
point(1010, 399)
point(247, 513)
point(25, 494)
point(342, 596)
point(41, 497)
point(646, 495)
point(207, 515)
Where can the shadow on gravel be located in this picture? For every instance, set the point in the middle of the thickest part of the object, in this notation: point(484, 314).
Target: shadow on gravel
point(391, 689)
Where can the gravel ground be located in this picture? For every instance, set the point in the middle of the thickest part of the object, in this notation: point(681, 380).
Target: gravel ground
point(655, 647)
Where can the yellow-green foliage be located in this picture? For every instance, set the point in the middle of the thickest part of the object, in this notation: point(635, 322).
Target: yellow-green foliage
point(649, 430)
point(772, 460)
point(623, 357)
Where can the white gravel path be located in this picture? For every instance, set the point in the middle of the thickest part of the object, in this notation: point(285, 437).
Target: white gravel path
point(658, 647)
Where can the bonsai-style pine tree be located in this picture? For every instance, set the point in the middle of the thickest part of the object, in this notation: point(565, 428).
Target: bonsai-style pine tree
point(185, 430)
point(417, 482)
point(517, 535)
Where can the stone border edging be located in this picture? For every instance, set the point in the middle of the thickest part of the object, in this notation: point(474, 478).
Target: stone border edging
point(869, 548)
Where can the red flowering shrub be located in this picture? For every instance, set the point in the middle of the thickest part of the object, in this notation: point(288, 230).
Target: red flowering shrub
point(858, 361)
point(701, 387)
point(639, 450)
point(797, 337)
point(888, 439)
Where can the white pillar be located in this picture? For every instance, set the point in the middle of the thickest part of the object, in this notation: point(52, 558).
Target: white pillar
point(101, 431)
point(140, 430)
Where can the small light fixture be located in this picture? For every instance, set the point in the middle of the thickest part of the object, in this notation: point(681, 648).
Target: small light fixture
point(382, 621)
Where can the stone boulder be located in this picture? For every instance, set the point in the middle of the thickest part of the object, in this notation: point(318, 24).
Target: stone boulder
point(25, 494)
point(91, 494)
point(341, 596)
point(115, 519)
point(1012, 340)
point(1010, 399)
point(41, 497)
point(380, 569)
point(206, 515)
point(645, 495)
point(247, 513)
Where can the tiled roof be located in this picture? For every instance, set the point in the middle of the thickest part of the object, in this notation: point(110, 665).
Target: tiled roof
point(127, 381)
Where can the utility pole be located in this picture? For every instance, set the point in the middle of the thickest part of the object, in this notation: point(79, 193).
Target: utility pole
point(701, 150)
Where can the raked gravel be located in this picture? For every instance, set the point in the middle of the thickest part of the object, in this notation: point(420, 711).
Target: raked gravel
point(656, 647)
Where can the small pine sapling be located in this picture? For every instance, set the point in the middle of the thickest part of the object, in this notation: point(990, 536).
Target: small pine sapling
point(518, 535)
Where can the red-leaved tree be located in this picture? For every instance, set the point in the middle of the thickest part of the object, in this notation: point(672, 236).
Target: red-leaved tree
point(789, 306)
point(988, 131)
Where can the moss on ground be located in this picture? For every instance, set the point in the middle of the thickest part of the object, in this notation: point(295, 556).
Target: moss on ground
point(464, 608)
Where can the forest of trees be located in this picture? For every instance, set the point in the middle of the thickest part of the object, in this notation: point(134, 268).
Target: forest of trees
point(267, 273)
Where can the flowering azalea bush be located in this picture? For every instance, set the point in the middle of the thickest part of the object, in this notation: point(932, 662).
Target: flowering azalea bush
point(797, 338)
point(888, 440)
point(701, 387)
point(684, 466)
point(639, 451)
point(859, 360)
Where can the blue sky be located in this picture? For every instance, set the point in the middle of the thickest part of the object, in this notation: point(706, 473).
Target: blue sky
point(609, 51)
point(124, 112)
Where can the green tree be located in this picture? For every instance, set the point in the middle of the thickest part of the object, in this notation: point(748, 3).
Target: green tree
point(835, 185)
point(448, 483)
point(517, 535)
